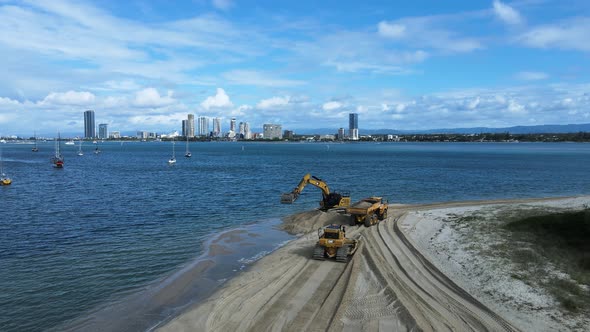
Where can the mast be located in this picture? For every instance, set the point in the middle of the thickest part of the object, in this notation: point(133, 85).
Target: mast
point(58, 146)
point(1, 164)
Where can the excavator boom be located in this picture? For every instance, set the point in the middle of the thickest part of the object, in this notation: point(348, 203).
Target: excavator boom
point(329, 199)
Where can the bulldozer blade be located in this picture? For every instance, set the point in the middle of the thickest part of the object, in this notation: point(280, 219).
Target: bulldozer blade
point(287, 198)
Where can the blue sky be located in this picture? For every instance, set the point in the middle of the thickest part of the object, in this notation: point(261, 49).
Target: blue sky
point(144, 65)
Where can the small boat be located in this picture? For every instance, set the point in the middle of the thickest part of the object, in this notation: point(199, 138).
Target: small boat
point(58, 159)
point(188, 154)
point(70, 142)
point(80, 153)
point(4, 180)
point(35, 148)
point(172, 160)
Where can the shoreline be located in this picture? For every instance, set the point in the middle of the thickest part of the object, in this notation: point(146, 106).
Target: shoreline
point(270, 289)
point(225, 256)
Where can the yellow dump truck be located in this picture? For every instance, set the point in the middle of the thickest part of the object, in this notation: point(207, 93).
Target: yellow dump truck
point(332, 243)
point(368, 211)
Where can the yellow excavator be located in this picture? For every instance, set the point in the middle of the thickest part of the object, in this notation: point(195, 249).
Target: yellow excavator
point(329, 199)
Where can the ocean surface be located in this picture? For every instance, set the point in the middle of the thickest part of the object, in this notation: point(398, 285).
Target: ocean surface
point(107, 227)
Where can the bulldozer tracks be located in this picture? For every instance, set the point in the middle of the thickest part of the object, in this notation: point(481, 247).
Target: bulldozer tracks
point(387, 285)
point(433, 299)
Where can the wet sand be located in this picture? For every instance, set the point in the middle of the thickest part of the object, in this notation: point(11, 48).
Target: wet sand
point(225, 256)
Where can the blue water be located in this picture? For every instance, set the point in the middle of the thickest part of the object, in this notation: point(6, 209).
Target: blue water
point(107, 225)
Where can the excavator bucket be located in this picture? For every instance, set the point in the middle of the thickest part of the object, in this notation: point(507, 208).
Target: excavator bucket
point(287, 198)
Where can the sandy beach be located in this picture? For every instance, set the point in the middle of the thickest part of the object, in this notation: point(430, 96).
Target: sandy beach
point(413, 271)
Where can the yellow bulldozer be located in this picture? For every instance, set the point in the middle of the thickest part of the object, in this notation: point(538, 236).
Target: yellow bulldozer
point(368, 211)
point(332, 243)
point(329, 199)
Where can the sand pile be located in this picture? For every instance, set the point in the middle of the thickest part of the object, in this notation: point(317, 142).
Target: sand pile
point(312, 220)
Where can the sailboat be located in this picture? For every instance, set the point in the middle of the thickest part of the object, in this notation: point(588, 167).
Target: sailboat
point(58, 159)
point(80, 153)
point(188, 154)
point(96, 150)
point(35, 148)
point(172, 160)
point(4, 180)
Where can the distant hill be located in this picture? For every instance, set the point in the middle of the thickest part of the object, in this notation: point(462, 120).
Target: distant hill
point(541, 129)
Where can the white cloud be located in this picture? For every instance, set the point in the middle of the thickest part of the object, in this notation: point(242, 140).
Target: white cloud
point(253, 77)
point(506, 13)
point(150, 97)
point(220, 100)
point(69, 98)
point(332, 105)
point(242, 110)
point(391, 30)
point(273, 103)
point(569, 34)
point(8, 102)
point(531, 76)
point(223, 4)
point(427, 32)
point(354, 67)
point(474, 103)
point(515, 107)
point(125, 85)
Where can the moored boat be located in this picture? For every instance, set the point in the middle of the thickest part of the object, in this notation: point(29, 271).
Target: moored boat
point(172, 160)
point(57, 160)
point(4, 180)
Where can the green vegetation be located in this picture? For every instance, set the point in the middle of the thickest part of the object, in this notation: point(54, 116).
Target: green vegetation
point(562, 240)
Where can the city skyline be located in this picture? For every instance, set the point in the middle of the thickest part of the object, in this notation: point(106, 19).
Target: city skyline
point(421, 65)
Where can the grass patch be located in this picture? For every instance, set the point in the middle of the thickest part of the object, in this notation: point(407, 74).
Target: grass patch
point(569, 228)
point(563, 240)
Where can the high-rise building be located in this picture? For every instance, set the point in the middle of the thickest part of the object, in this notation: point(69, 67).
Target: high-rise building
point(217, 127)
point(115, 134)
point(203, 126)
point(103, 131)
point(272, 131)
point(142, 134)
point(190, 126)
point(242, 130)
point(89, 126)
point(247, 133)
point(353, 126)
point(232, 125)
point(184, 127)
point(341, 134)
